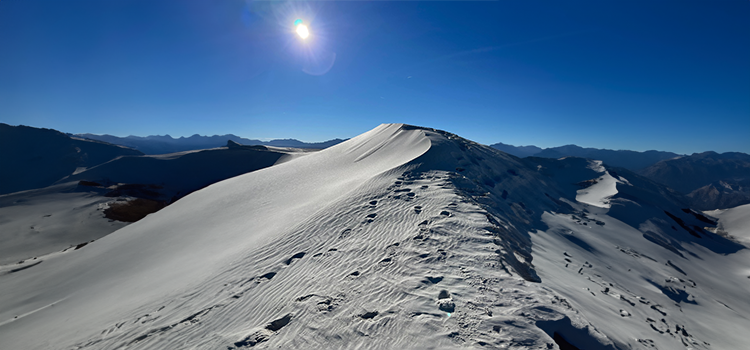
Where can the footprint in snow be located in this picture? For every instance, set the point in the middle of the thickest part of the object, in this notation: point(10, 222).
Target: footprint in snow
point(264, 334)
point(445, 302)
point(294, 257)
point(434, 280)
point(368, 315)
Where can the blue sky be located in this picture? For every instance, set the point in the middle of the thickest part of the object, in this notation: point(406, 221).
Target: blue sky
point(666, 75)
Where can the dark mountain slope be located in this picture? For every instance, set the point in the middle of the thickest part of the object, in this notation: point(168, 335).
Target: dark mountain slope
point(709, 179)
point(631, 160)
point(518, 151)
point(178, 174)
point(34, 158)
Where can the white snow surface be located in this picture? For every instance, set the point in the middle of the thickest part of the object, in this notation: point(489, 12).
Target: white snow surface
point(38, 222)
point(599, 193)
point(602, 189)
point(400, 238)
point(735, 221)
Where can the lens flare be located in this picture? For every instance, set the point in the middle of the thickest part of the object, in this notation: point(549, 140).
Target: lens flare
point(315, 57)
point(302, 31)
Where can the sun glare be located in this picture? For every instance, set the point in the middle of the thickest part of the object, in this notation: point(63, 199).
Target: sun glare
point(302, 31)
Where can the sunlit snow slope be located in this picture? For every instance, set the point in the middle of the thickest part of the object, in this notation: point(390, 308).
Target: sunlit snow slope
point(734, 221)
point(400, 238)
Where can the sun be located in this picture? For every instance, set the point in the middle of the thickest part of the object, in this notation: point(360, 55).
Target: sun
point(301, 30)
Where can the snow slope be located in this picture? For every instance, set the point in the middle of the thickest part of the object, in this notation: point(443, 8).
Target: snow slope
point(734, 221)
point(38, 222)
point(600, 190)
point(402, 237)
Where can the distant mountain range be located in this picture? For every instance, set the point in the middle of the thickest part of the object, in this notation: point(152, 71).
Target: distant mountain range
point(709, 180)
point(630, 160)
point(167, 144)
point(518, 151)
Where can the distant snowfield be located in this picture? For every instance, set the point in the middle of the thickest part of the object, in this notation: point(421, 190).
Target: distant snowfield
point(734, 221)
point(402, 237)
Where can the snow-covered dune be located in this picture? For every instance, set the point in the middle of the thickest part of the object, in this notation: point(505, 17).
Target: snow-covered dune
point(402, 237)
point(189, 241)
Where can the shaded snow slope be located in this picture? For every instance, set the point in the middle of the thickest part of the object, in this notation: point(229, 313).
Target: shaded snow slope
point(402, 237)
point(178, 174)
point(41, 221)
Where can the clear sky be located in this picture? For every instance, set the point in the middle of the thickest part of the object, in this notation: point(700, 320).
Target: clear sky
point(666, 75)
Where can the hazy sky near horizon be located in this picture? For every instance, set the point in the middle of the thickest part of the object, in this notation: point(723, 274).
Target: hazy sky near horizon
point(640, 75)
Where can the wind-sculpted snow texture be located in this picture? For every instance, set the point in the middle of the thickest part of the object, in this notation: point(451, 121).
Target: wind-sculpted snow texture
point(402, 237)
